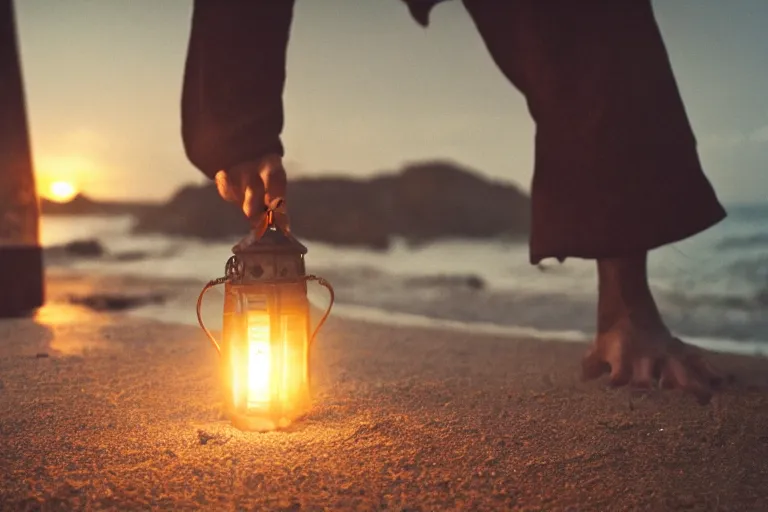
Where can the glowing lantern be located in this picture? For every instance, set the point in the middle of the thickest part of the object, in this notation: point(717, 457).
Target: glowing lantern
point(266, 339)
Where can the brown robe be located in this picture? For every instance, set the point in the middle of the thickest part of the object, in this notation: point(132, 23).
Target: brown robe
point(616, 167)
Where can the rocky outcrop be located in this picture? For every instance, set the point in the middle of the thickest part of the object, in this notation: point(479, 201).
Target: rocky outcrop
point(422, 203)
point(194, 211)
point(116, 302)
point(471, 281)
point(77, 249)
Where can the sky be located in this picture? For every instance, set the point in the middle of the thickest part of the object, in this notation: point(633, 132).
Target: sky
point(367, 90)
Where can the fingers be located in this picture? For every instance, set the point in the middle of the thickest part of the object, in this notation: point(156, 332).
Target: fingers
point(225, 189)
point(243, 186)
point(253, 185)
point(282, 220)
point(253, 197)
point(275, 180)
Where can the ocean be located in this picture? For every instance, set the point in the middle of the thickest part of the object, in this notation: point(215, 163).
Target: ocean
point(712, 288)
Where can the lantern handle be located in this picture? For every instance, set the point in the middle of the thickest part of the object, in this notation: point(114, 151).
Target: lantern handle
point(208, 286)
point(322, 282)
point(221, 280)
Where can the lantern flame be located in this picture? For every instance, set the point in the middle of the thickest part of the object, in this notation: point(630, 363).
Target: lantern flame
point(259, 360)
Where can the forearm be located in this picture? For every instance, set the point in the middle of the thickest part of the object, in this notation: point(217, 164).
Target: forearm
point(232, 108)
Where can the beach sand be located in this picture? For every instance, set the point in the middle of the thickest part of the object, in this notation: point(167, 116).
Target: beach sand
point(103, 411)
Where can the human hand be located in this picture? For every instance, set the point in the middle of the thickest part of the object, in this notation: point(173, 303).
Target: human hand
point(257, 186)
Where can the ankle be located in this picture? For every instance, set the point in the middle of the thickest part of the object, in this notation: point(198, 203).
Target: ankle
point(645, 319)
point(624, 295)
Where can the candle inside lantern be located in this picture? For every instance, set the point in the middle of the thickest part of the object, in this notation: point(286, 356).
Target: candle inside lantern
point(259, 360)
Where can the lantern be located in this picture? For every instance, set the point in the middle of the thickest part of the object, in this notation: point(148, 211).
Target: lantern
point(266, 340)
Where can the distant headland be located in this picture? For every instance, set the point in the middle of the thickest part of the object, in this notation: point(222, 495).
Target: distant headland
point(421, 202)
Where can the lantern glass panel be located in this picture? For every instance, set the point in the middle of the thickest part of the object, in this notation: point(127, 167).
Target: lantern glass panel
point(266, 353)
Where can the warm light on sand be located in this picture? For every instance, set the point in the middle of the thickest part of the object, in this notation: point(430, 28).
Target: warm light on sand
point(61, 191)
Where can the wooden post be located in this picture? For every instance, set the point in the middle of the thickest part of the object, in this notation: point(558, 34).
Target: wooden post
point(21, 261)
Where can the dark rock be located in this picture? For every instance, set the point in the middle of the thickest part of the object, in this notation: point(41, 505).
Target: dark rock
point(440, 200)
point(86, 248)
point(340, 211)
point(130, 256)
point(204, 438)
point(424, 202)
point(89, 248)
point(469, 281)
point(108, 302)
point(195, 211)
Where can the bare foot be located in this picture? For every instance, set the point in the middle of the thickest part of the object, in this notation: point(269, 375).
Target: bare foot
point(642, 358)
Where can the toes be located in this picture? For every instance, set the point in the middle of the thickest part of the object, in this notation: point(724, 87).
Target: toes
point(704, 369)
point(707, 373)
point(674, 365)
point(620, 374)
point(642, 373)
point(593, 366)
point(667, 378)
point(687, 380)
point(621, 369)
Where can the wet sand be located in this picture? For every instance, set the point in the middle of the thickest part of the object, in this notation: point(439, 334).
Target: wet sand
point(103, 411)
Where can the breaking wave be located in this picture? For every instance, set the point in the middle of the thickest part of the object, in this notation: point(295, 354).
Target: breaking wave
point(711, 287)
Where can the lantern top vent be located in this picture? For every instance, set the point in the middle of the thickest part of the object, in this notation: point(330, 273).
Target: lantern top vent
point(274, 240)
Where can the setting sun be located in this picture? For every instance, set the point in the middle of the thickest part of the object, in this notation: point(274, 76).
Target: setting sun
point(61, 191)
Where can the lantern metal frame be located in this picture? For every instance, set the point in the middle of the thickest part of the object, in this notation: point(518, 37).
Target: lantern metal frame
point(233, 270)
point(235, 275)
